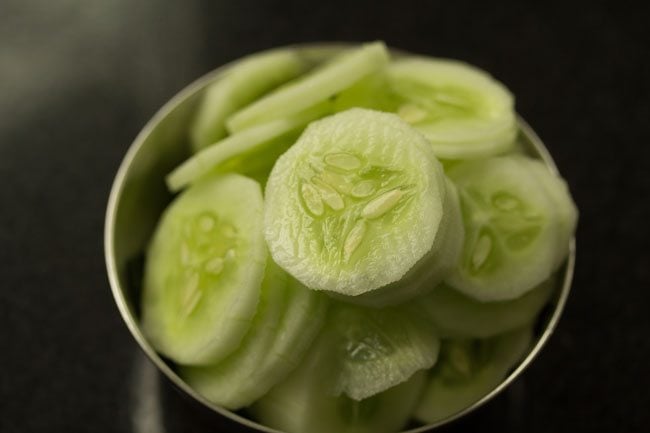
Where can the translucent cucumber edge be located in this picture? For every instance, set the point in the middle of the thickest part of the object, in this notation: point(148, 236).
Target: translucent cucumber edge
point(313, 52)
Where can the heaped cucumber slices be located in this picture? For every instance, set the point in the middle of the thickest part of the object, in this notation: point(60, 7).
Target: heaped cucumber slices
point(355, 203)
point(240, 85)
point(287, 320)
point(204, 271)
point(511, 225)
point(313, 88)
point(456, 315)
point(306, 401)
point(245, 151)
point(467, 371)
point(463, 111)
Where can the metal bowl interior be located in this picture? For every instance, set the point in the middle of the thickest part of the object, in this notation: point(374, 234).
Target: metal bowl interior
point(139, 195)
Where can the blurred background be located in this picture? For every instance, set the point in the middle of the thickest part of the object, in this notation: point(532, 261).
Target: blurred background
point(79, 79)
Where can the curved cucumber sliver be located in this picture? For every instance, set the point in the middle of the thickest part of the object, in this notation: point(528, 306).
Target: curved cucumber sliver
point(305, 402)
point(511, 227)
point(355, 203)
point(288, 319)
point(467, 371)
point(204, 271)
point(456, 315)
point(314, 88)
point(240, 85)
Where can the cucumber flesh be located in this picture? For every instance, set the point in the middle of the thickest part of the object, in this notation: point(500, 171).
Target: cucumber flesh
point(288, 319)
point(305, 402)
point(467, 371)
point(313, 88)
point(355, 203)
point(432, 268)
point(204, 270)
point(456, 315)
point(511, 225)
point(238, 86)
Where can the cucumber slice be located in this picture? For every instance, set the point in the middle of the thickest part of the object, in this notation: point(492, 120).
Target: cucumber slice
point(316, 87)
point(432, 268)
point(236, 151)
point(467, 371)
point(288, 319)
point(463, 111)
point(304, 401)
point(458, 316)
point(558, 190)
point(355, 203)
point(378, 349)
point(240, 85)
point(511, 225)
point(204, 271)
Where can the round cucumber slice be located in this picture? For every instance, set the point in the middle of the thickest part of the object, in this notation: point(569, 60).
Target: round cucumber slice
point(263, 143)
point(355, 203)
point(287, 320)
point(204, 271)
point(510, 229)
point(467, 371)
point(378, 349)
point(463, 111)
point(304, 401)
point(240, 85)
point(315, 87)
point(456, 315)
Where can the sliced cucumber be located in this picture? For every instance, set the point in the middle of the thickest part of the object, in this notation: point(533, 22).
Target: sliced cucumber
point(304, 402)
point(240, 85)
point(456, 315)
point(467, 371)
point(432, 268)
point(316, 87)
point(355, 203)
point(204, 271)
point(262, 143)
point(288, 319)
point(463, 111)
point(379, 349)
point(511, 224)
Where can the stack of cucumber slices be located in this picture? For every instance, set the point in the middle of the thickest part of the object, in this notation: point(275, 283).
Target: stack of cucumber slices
point(357, 243)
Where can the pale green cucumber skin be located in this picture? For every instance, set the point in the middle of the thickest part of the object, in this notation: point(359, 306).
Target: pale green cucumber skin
point(228, 382)
point(432, 269)
point(212, 328)
point(240, 85)
point(240, 147)
point(491, 130)
point(441, 399)
point(506, 272)
point(307, 246)
point(456, 315)
point(379, 349)
point(316, 87)
point(304, 402)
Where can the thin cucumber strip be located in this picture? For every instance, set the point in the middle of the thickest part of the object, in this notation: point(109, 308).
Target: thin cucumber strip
point(305, 402)
point(433, 268)
point(511, 224)
point(355, 203)
point(240, 85)
point(467, 371)
point(238, 145)
point(313, 88)
point(204, 270)
point(456, 315)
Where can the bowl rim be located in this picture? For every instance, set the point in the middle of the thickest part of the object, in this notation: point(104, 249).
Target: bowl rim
point(132, 323)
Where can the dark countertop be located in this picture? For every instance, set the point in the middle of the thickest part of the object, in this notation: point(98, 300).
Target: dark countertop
point(79, 79)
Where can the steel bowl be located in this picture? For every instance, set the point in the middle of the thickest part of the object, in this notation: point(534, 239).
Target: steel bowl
point(139, 195)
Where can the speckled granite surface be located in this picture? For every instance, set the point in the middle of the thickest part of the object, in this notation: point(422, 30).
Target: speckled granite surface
point(78, 79)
